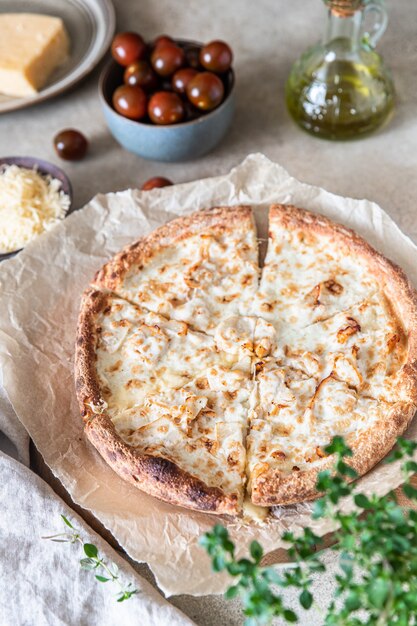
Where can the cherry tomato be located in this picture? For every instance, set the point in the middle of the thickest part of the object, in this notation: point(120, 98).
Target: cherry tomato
point(140, 74)
point(165, 108)
point(130, 101)
point(127, 48)
point(70, 144)
point(182, 77)
point(205, 91)
point(162, 40)
point(156, 182)
point(216, 56)
point(167, 59)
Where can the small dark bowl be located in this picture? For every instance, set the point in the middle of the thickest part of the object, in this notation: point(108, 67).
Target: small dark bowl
point(45, 168)
point(173, 142)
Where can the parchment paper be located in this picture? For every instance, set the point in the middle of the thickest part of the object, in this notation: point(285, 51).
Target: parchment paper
point(40, 291)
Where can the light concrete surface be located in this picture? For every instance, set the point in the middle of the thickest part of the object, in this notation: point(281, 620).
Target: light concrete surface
point(267, 36)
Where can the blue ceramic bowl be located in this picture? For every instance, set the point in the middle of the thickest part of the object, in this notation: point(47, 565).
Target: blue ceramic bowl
point(176, 142)
point(45, 168)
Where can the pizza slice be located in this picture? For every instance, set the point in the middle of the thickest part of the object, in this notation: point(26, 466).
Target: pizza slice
point(163, 404)
point(199, 269)
point(366, 346)
point(296, 417)
point(314, 268)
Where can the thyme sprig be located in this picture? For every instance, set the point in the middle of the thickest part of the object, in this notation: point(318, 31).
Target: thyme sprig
point(92, 561)
point(377, 545)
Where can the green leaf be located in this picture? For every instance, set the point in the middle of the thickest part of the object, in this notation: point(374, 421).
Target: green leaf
point(345, 469)
point(232, 592)
point(407, 446)
point(272, 576)
point(67, 522)
point(339, 447)
point(352, 602)
point(102, 579)
point(319, 508)
point(218, 563)
point(233, 568)
point(306, 599)
point(90, 550)
point(394, 456)
point(125, 595)
point(290, 616)
point(362, 501)
point(410, 491)
point(220, 531)
point(256, 551)
point(346, 563)
point(410, 466)
point(88, 564)
point(378, 592)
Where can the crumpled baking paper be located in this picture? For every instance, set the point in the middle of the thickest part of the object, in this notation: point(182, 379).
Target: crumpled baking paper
point(40, 292)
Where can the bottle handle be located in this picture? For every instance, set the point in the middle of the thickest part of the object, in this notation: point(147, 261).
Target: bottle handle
point(379, 23)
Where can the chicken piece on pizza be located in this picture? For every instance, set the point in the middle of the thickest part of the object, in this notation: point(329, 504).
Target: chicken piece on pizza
point(245, 339)
point(199, 269)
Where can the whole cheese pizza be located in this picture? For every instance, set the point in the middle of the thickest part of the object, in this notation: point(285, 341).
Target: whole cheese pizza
point(208, 381)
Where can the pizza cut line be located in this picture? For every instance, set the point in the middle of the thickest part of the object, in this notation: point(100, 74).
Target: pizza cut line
point(206, 380)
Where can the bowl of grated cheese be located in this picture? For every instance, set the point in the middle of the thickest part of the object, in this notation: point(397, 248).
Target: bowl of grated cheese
point(34, 196)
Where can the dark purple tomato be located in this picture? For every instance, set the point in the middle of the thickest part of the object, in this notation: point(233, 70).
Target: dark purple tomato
point(141, 74)
point(70, 144)
point(162, 40)
point(155, 183)
point(216, 56)
point(167, 59)
point(182, 77)
point(205, 91)
point(130, 101)
point(166, 108)
point(127, 48)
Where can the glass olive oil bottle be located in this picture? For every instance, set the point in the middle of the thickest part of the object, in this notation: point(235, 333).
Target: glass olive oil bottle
point(340, 89)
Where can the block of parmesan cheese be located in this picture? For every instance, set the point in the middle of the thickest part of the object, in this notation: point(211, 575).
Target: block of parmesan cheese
point(31, 47)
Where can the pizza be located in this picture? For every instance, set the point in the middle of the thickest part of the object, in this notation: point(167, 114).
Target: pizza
point(210, 382)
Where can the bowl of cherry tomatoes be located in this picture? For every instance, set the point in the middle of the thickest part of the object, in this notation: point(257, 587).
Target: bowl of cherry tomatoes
point(171, 100)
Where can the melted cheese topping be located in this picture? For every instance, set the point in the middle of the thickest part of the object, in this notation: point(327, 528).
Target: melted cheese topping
point(29, 205)
point(306, 279)
point(201, 281)
point(270, 376)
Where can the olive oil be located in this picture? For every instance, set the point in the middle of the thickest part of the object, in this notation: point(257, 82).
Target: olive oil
point(340, 89)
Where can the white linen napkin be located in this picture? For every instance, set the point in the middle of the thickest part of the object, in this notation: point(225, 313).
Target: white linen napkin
point(42, 581)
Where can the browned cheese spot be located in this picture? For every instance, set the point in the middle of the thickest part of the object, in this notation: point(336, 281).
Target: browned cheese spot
point(347, 331)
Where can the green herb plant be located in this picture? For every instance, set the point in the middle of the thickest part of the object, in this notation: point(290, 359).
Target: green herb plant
point(377, 581)
point(105, 572)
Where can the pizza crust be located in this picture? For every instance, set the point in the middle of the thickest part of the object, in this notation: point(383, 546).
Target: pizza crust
point(156, 475)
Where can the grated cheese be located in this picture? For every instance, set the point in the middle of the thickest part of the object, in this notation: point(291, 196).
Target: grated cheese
point(30, 203)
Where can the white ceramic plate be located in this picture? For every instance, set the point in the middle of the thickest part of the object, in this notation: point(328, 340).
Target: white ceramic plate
point(90, 25)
